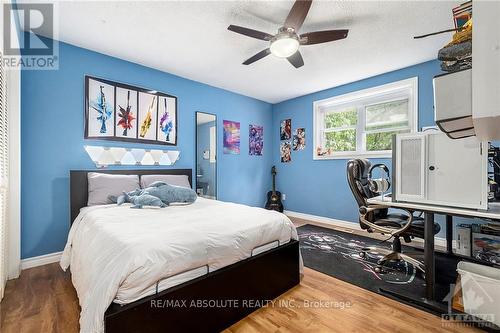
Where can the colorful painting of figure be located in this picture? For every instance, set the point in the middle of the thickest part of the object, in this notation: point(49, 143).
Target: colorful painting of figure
point(255, 140)
point(101, 101)
point(126, 113)
point(148, 109)
point(299, 139)
point(231, 137)
point(286, 151)
point(166, 119)
point(286, 129)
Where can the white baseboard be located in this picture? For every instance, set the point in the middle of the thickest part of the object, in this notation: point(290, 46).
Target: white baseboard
point(40, 260)
point(438, 241)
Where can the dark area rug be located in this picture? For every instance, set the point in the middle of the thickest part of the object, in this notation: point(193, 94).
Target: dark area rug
point(336, 253)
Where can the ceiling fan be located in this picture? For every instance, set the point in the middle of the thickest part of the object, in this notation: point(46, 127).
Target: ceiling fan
point(285, 44)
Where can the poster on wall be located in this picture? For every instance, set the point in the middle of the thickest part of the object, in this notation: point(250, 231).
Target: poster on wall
point(166, 116)
point(120, 112)
point(285, 151)
point(286, 129)
point(255, 140)
point(299, 139)
point(148, 111)
point(231, 133)
point(100, 109)
point(126, 113)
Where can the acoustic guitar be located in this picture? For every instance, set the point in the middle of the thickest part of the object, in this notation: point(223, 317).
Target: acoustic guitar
point(274, 197)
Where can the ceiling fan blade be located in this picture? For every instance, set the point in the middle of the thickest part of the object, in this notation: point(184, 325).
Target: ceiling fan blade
point(258, 56)
point(297, 14)
point(250, 32)
point(318, 37)
point(296, 60)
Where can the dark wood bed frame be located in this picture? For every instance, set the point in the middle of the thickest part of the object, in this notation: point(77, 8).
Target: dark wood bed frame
point(209, 303)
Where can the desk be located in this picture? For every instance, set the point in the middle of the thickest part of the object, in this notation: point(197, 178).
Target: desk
point(429, 210)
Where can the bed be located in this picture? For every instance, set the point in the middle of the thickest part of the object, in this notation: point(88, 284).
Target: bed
point(195, 268)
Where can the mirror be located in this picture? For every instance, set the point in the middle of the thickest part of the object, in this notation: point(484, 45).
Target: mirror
point(206, 155)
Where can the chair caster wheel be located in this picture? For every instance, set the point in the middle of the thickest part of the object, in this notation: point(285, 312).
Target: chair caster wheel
point(378, 269)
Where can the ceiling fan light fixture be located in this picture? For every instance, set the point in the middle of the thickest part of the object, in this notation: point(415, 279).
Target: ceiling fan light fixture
point(284, 47)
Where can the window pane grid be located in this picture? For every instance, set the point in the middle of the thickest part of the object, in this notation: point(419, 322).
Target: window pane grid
point(364, 122)
point(343, 118)
point(338, 129)
point(344, 141)
point(388, 114)
point(392, 129)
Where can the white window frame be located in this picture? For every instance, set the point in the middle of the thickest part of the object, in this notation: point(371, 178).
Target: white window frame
point(394, 91)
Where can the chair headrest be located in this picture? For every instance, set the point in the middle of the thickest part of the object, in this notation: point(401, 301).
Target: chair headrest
point(360, 168)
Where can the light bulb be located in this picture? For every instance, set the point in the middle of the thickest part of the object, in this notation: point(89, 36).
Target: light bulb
point(284, 47)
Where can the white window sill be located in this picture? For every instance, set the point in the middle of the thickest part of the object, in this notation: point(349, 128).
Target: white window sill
point(351, 155)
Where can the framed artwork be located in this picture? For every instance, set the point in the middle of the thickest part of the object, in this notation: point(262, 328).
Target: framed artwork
point(285, 152)
point(231, 140)
point(299, 139)
point(100, 109)
point(286, 129)
point(167, 131)
point(126, 113)
point(255, 140)
point(148, 112)
point(120, 112)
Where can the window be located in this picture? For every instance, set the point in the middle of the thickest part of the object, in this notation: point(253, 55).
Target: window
point(363, 123)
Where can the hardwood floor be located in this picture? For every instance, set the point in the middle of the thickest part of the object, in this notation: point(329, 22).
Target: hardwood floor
point(43, 300)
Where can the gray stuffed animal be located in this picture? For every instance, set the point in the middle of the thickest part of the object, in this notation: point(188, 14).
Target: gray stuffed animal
point(145, 199)
point(171, 194)
point(158, 194)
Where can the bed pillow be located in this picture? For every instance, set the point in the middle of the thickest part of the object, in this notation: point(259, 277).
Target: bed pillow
point(103, 185)
point(176, 180)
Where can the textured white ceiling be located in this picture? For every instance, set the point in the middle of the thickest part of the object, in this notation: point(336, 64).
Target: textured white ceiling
point(191, 39)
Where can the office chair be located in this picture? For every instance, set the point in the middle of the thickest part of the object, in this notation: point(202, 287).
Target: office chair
point(375, 218)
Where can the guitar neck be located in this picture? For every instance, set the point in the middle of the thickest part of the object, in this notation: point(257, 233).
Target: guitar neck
point(274, 184)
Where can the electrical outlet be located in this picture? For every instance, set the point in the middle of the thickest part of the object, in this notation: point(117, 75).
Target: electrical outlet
point(283, 196)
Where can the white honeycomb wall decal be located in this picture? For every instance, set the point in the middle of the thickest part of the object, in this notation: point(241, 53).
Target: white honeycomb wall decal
point(104, 156)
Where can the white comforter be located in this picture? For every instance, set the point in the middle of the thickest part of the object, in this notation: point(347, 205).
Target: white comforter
point(116, 252)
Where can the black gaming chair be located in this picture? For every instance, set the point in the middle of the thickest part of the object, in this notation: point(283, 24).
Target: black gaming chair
point(375, 218)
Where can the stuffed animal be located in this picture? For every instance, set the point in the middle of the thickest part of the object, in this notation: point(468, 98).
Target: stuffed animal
point(159, 194)
point(171, 194)
point(145, 199)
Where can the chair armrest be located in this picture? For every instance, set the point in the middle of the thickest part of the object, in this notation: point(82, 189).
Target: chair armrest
point(363, 211)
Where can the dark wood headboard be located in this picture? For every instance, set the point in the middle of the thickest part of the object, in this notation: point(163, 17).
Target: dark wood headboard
point(78, 183)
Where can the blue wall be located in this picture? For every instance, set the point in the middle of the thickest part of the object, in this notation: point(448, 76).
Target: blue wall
point(319, 187)
point(52, 141)
point(52, 138)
